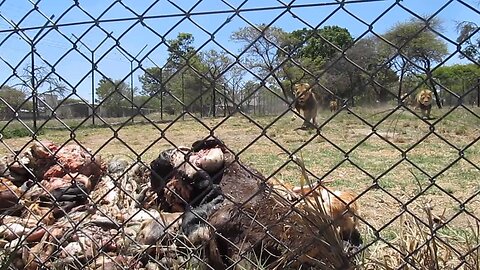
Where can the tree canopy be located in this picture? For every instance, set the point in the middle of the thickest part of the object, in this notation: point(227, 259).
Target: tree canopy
point(415, 48)
point(459, 79)
point(180, 50)
point(113, 95)
point(321, 44)
point(371, 68)
point(261, 45)
point(11, 101)
point(469, 38)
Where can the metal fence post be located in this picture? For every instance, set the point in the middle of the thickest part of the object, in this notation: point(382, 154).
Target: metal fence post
point(183, 95)
point(478, 92)
point(214, 107)
point(162, 91)
point(94, 67)
point(34, 88)
point(131, 59)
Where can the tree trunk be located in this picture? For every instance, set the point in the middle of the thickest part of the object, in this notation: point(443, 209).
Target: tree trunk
point(432, 86)
point(400, 84)
point(284, 90)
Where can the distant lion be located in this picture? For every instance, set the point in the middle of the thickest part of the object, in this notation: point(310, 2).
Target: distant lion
point(306, 101)
point(424, 100)
point(333, 105)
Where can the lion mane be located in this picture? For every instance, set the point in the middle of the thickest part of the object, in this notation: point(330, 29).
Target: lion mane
point(306, 101)
point(333, 105)
point(424, 100)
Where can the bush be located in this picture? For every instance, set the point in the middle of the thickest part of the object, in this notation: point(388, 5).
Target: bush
point(18, 132)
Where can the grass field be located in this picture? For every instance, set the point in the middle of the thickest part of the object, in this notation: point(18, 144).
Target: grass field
point(399, 165)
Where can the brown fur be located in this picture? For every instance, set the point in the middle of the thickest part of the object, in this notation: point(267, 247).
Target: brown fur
point(339, 205)
point(155, 230)
point(237, 233)
point(242, 214)
point(9, 194)
point(238, 226)
point(306, 102)
point(177, 193)
point(333, 105)
point(424, 100)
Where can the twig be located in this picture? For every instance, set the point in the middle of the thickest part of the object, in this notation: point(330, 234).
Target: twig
point(417, 180)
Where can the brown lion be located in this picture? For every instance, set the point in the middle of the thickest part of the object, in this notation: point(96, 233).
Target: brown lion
point(424, 100)
point(340, 206)
point(333, 105)
point(306, 101)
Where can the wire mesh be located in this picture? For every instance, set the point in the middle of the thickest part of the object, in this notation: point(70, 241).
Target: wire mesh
point(239, 134)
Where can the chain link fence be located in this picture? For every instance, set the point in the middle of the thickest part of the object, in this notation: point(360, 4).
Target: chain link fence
point(240, 134)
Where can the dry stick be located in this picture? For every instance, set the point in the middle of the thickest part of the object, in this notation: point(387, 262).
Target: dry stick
point(472, 250)
point(417, 180)
point(428, 210)
point(420, 190)
point(476, 241)
point(396, 120)
point(431, 225)
point(321, 209)
point(387, 110)
point(477, 238)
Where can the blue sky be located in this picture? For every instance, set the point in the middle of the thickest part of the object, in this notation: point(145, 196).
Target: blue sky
point(163, 15)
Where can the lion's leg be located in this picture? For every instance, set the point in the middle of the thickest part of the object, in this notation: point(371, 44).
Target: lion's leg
point(314, 116)
point(294, 115)
point(310, 118)
point(425, 113)
point(307, 117)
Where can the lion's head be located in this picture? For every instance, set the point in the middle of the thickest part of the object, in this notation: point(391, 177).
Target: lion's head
point(425, 97)
point(303, 91)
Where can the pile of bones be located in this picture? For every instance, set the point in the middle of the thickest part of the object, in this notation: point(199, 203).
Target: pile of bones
point(63, 207)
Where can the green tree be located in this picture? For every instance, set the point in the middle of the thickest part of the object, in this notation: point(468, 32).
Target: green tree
point(295, 67)
point(113, 95)
point(360, 71)
point(416, 48)
point(12, 100)
point(261, 44)
point(469, 38)
point(182, 74)
point(215, 65)
point(306, 52)
point(459, 79)
point(181, 50)
point(234, 82)
point(248, 95)
point(322, 44)
point(155, 94)
point(151, 81)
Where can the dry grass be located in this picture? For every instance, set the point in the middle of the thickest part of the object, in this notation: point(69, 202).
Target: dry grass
point(394, 190)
